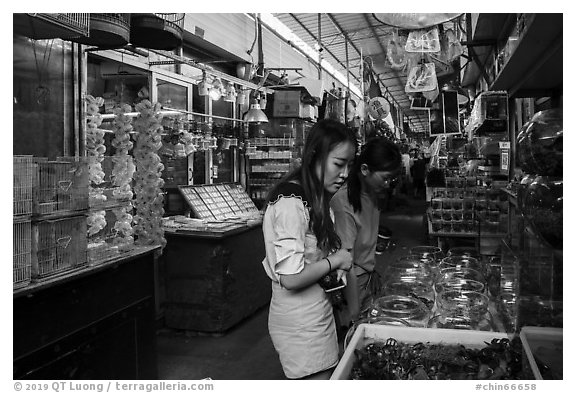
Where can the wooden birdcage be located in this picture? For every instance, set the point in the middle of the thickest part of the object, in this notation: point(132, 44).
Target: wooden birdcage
point(157, 31)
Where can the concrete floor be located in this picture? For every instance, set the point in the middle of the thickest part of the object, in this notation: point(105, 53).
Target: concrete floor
point(245, 352)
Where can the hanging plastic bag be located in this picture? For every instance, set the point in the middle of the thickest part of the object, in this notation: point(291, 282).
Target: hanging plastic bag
point(422, 78)
point(423, 41)
point(395, 52)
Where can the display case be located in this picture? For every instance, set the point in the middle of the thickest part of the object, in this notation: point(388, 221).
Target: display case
point(212, 261)
point(273, 153)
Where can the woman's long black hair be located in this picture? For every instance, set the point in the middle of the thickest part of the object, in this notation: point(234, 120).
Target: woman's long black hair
point(324, 136)
point(379, 154)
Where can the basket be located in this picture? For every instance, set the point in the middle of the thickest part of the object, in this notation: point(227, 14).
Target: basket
point(59, 246)
point(157, 31)
point(107, 31)
point(22, 252)
point(46, 26)
point(23, 173)
point(62, 186)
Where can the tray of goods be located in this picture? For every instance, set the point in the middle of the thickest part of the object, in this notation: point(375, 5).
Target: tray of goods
point(399, 352)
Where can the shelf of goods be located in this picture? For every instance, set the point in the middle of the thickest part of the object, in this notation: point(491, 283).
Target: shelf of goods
point(274, 152)
point(464, 209)
point(213, 279)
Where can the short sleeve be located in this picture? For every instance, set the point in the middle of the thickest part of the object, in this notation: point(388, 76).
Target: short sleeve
point(290, 226)
point(344, 221)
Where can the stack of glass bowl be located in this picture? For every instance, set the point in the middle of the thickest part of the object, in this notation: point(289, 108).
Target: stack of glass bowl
point(411, 276)
point(460, 289)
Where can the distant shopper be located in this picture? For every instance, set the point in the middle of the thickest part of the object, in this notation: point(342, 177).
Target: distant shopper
point(357, 216)
point(419, 175)
point(302, 247)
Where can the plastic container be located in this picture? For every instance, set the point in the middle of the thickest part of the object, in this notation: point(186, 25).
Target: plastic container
point(543, 350)
point(366, 333)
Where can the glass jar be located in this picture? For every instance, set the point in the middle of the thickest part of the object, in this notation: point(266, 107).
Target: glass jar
point(542, 207)
point(405, 308)
point(539, 144)
point(446, 204)
point(436, 203)
point(457, 226)
point(436, 225)
point(436, 214)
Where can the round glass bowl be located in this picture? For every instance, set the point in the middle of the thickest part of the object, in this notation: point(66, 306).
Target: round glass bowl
point(411, 286)
point(428, 252)
point(455, 321)
point(406, 308)
point(450, 273)
point(471, 304)
point(462, 262)
point(458, 284)
point(462, 251)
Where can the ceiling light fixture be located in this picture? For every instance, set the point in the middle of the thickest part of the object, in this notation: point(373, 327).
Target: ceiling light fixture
point(255, 114)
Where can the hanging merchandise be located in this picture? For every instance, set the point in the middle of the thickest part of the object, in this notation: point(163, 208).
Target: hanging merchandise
point(149, 202)
point(378, 108)
point(451, 47)
point(335, 104)
point(395, 52)
point(422, 78)
point(95, 149)
point(423, 41)
point(122, 174)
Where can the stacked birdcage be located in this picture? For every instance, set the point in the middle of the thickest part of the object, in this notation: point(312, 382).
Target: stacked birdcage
point(59, 216)
point(23, 180)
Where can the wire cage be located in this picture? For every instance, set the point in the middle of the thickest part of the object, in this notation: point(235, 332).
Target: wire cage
point(60, 245)
point(108, 242)
point(107, 31)
point(62, 186)
point(46, 26)
point(22, 252)
point(162, 31)
point(23, 185)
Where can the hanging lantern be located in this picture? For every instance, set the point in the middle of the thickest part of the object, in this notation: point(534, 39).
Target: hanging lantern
point(230, 93)
point(157, 31)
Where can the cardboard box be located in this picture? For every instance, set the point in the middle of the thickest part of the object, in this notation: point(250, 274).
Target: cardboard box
point(366, 333)
point(288, 104)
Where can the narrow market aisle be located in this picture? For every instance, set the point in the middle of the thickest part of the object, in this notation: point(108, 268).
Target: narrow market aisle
point(245, 352)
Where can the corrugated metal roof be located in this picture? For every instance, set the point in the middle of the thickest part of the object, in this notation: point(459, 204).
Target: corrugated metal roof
point(346, 38)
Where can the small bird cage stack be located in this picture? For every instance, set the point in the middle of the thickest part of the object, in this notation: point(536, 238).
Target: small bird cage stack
point(23, 174)
point(59, 216)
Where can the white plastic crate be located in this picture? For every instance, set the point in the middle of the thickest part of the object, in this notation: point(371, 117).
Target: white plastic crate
point(366, 333)
point(543, 346)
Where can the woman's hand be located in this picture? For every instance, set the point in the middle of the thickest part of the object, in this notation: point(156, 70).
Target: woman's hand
point(341, 259)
